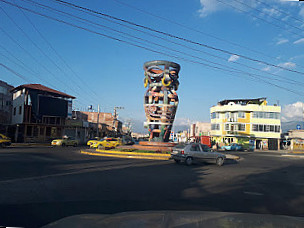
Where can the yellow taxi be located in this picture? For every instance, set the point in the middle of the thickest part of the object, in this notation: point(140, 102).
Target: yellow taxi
point(5, 141)
point(65, 141)
point(91, 141)
point(107, 143)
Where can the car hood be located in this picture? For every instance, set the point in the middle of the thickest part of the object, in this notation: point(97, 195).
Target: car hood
point(178, 219)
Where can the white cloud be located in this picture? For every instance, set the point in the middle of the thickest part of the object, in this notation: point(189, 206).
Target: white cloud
point(233, 58)
point(287, 65)
point(268, 68)
point(271, 12)
point(299, 41)
point(293, 112)
point(209, 6)
point(183, 121)
point(282, 41)
point(301, 12)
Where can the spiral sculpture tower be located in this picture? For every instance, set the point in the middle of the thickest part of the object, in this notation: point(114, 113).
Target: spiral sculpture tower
point(161, 100)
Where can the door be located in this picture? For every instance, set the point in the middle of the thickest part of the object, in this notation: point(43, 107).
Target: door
point(206, 153)
point(273, 144)
point(195, 151)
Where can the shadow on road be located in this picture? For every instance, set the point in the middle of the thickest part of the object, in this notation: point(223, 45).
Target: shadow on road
point(119, 185)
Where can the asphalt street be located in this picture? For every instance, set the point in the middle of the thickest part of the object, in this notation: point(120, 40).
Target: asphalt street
point(41, 185)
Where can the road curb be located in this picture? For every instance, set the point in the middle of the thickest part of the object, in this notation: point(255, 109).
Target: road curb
point(120, 155)
point(134, 153)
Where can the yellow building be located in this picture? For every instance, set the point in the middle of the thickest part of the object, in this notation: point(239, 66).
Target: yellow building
point(241, 120)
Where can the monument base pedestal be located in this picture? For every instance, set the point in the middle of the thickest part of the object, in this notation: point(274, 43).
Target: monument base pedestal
point(154, 146)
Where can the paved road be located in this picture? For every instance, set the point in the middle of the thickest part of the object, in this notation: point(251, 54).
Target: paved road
point(40, 185)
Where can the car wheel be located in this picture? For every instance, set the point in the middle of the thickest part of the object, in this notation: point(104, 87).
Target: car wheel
point(220, 161)
point(177, 161)
point(189, 161)
point(100, 147)
point(63, 144)
point(2, 145)
point(75, 144)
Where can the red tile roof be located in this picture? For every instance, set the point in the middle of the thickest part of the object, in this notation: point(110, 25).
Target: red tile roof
point(43, 88)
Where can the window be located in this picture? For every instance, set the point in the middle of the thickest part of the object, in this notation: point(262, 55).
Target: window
point(241, 127)
point(227, 115)
point(271, 128)
point(261, 115)
point(194, 147)
point(255, 115)
point(254, 127)
point(205, 148)
point(277, 128)
point(267, 115)
point(215, 115)
point(215, 127)
point(267, 128)
point(226, 127)
point(241, 114)
point(271, 115)
point(14, 111)
point(20, 110)
point(261, 127)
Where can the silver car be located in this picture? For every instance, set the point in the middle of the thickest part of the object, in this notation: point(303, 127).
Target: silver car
point(189, 153)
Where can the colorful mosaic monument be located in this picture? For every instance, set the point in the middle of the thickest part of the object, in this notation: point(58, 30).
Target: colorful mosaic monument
point(161, 100)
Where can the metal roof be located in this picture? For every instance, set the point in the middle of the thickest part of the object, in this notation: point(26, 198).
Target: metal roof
point(43, 88)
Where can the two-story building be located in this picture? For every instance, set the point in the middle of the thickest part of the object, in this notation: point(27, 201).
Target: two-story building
point(240, 120)
point(6, 100)
point(39, 113)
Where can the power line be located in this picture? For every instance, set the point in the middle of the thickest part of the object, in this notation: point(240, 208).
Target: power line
point(204, 33)
point(258, 10)
point(14, 72)
point(54, 50)
point(176, 37)
point(260, 18)
point(281, 11)
point(22, 65)
point(192, 29)
point(148, 49)
point(34, 43)
point(188, 47)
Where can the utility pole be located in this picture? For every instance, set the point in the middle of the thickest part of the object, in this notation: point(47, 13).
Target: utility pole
point(97, 130)
point(115, 118)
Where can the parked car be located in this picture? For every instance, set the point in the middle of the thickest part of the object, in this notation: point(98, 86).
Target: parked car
point(65, 141)
point(4, 141)
point(127, 140)
point(107, 143)
point(248, 146)
point(233, 147)
point(91, 141)
point(192, 152)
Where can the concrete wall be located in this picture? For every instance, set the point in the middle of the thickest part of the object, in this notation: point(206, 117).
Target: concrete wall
point(18, 100)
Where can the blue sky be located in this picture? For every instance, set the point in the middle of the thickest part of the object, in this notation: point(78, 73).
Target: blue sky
point(111, 72)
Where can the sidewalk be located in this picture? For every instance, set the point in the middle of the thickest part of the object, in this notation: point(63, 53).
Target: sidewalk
point(29, 145)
